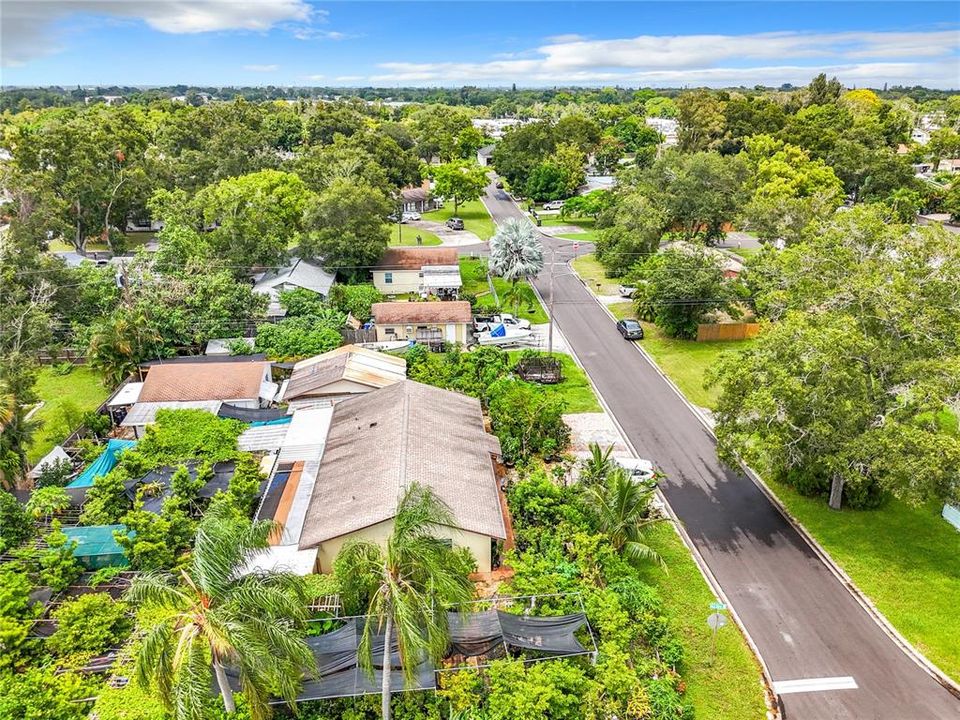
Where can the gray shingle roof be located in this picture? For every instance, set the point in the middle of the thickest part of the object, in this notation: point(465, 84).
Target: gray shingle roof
point(383, 442)
point(301, 273)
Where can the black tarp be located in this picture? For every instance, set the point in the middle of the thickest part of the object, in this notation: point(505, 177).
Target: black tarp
point(249, 415)
point(484, 633)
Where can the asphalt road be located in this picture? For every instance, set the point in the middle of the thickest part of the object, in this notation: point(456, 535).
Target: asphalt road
point(803, 620)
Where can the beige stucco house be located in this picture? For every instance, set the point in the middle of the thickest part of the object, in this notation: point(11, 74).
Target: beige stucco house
point(381, 443)
point(428, 323)
point(401, 270)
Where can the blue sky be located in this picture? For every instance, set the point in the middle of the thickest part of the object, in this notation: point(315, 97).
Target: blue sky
point(295, 42)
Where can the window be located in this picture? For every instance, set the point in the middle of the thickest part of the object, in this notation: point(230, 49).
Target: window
point(388, 278)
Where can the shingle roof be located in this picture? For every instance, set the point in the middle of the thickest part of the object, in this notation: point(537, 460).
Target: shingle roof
point(350, 362)
point(394, 313)
point(203, 381)
point(383, 442)
point(414, 194)
point(301, 273)
point(416, 258)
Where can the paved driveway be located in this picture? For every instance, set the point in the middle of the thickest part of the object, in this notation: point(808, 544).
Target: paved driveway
point(804, 621)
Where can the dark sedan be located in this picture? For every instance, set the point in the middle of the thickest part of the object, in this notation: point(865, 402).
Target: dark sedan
point(630, 329)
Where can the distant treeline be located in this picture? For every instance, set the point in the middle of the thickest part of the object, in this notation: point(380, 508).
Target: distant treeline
point(19, 98)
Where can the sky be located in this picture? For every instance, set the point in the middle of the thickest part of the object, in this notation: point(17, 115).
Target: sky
point(532, 44)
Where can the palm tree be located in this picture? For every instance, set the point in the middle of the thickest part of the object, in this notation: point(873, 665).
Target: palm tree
point(409, 584)
point(620, 509)
point(596, 468)
point(515, 251)
point(518, 295)
point(213, 619)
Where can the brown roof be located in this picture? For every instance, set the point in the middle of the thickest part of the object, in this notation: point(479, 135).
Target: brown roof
point(382, 442)
point(416, 258)
point(414, 194)
point(395, 313)
point(206, 381)
point(349, 362)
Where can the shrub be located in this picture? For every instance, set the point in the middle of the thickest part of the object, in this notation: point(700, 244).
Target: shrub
point(89, 624)
point(58, 567)
point(527, 420)
point(44, 694)
point(15, 524)
point(105, 575)
point(531, 692)
point(180, 435)
point(298, 337)
point(54, 474)
point(48, 501)
point(355, 299)
point(107, 500)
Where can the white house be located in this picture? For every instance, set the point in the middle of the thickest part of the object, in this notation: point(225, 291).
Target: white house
point(298, 274)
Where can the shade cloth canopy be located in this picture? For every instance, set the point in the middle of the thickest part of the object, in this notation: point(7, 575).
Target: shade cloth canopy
point(106, 462)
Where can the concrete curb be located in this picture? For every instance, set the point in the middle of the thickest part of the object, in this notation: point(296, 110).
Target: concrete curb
point(862, 599)
point(770, 697)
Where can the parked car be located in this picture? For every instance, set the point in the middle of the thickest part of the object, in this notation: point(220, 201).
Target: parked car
point(630, 329)
point(408, 216)
point(455, 223)
point(627, 291)
point(553, 205)
point(483, 323)
point(499, 184)
point(639, 469)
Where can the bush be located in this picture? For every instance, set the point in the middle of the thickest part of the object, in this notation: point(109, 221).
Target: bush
point(298, 337)
point(89, 624)
point(48, 501)
point(355, 299)
point(181, 435)
point(16, 615)
point(54, 474)
point(527, 420)
point(16, 527)
point(58, 567)
point(43, 694)
point(107, 500)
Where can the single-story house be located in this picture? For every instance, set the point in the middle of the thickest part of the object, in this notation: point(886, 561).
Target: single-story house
point(204, 386)
point(341, 373)
point(298, 274)
point(485, 155)
point(920, 136)
point(429, 323)
point(418, 198)
point(950, 165)
point(402, 270)
point(381, 443)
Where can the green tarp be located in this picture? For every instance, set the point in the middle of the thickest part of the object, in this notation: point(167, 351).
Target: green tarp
point(96, 546)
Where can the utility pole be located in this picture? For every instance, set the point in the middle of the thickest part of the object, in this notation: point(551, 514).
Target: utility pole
point(553, 253)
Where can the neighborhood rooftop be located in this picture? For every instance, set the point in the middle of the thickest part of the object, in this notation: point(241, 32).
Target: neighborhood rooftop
point(385, 441)
point(207, 381)
point(350, 362)
point(395, 313)
point(416, 258)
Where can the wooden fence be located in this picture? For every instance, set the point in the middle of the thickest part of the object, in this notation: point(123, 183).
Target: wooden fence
point(727, 331)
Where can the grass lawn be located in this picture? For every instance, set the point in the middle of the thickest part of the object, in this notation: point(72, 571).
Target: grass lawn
point(409, 233)
point(729, 686)
point(745, 253)
point(593, 272)
point(575, 388)
point(474, 214)
point(64, 398)
point(475, 283)
point(587, 224)
point(134, 240)
point(906, 559)
point(686, 361)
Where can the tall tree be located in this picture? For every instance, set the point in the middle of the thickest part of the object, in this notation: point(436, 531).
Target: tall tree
point(256, 217)
point(211, 620)
point(459, 182)
point(409, 583)
point(346, 227)
point(852, 391)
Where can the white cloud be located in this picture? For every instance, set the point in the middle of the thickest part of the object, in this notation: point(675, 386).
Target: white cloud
point(308, 33)
point(29, 26)
point(348, 78)
point(929, 58)
point(315, 77)
point(261, 68)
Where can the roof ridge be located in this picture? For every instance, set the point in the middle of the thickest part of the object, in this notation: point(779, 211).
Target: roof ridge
point(404, 436)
